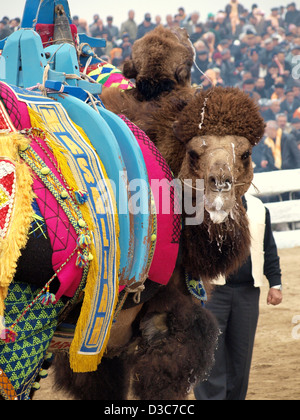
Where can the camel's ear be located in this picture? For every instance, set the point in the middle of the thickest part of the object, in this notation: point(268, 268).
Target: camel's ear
point(183, 72)
point(129, 70)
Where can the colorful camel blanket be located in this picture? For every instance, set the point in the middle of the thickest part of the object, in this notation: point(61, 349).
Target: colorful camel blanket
point(69, 144)
point(110, 76)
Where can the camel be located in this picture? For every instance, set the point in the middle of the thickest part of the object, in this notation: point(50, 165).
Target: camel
point(164, 344)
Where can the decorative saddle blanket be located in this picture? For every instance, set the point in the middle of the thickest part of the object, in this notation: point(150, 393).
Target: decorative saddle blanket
point(84, 242)
point(168, 229)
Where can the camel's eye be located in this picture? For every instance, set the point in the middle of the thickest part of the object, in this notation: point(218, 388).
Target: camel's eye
point(246, 155)
point(194, 159)
point(193, 155)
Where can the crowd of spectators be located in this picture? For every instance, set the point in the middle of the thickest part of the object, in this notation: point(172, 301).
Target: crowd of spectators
point(250, 49)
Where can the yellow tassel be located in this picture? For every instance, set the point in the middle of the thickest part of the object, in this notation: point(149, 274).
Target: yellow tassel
point(17, 236)
point(81, 363)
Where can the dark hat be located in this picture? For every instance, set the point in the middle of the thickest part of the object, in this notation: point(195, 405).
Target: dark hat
point(279, 86)
point(202, 52)
point(125, 35)
point(249, 82)
point(274, 9)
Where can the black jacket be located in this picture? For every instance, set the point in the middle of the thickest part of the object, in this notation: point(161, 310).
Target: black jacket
point(289, 152)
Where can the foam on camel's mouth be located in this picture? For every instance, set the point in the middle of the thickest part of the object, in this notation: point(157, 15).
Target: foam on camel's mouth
point(216, 209)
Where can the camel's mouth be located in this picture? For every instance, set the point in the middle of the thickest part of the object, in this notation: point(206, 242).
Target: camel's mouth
point(219, 204)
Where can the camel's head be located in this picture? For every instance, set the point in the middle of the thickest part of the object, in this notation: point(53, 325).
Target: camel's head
point(161, 60)
point(220, 151)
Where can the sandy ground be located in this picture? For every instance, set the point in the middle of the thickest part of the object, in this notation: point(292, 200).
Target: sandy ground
point(275, 373)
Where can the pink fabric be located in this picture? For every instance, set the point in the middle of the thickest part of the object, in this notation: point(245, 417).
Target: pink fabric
point(60, 231)
point(168, 225)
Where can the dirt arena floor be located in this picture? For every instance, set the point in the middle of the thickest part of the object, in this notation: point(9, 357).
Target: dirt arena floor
point(275, 373)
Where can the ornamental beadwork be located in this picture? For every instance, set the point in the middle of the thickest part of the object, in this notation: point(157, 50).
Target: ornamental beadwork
point(7, 194)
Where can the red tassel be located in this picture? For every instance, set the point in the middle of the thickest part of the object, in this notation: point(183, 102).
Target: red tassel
point(8, 336)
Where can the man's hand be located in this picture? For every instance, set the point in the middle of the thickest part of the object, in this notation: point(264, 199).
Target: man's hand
point(274, 297)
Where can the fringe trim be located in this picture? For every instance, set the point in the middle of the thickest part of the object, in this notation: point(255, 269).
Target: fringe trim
point(17, 237)
point(81, 363)
point(84, 363)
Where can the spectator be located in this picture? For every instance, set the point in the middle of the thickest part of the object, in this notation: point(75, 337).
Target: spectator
point(274, 109)
point(198, 33)
point(248, 87)
point(82, 27)
point(292, 15)
point(260, 87)
point(5, 31)
point(233, 11)
point(191, 24)
point(145, 27)
point(113, 30)
point(181, 16)
point(202, 63)
point(93, 25)
point(129, 26)
point(279, 91)
point(272, 74)
point(75, 21)
point(296, 90)
point(275, 19)
point(260, 20)
point(157, 20)
point(217, 60)
point(281, 151)
point(170, 23)
point(126, 46)
point(282, 123)
point(14, 24)
point(235, 303)
point(283, 65)
point(253, 64)
point(296, 130)
point(263, 68)
point(290, 105)
point(98, 29)
point(293, 55)
point(228, 68)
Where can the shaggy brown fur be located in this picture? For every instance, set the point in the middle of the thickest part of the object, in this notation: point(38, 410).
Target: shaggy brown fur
point(173, 348)
point(161, 60)
point(166, 364)
point(210, 250)
point(172, 122)
point(229, 111)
